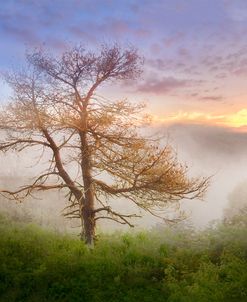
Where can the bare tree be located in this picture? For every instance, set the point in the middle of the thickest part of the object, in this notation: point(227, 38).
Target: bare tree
point(96, 150)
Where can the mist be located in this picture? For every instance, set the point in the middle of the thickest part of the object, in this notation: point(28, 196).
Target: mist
point(211, 151)
point(216, 152)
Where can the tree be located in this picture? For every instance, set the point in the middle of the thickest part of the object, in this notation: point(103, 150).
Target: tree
point(236, 210)
point(95, 146)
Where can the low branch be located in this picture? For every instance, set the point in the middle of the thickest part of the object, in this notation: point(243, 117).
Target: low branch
point(31, 188)
point(29, 143)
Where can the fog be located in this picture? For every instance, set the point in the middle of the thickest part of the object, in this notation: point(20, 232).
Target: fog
point(208, 151)
point(213, 151)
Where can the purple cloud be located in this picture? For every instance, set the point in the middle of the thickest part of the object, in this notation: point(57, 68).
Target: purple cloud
point(22, 34)
point(165, 85)
point(173, 39)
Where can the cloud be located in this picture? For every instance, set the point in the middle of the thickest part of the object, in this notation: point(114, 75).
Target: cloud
point(214, 98)
point(24, 35)
point(80, 33)
point(165, 85)
point(108, 27)
point(173, 39)
point(241, 71)
point(235, 120)
point(184, 52)
point(233, 62)
point(182, 47)
point(56, 44)
point(223, 63)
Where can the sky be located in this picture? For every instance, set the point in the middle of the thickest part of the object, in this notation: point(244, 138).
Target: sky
point(195, 50)
point(194, 74)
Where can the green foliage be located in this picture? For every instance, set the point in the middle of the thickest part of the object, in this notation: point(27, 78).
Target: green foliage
point(161, 265)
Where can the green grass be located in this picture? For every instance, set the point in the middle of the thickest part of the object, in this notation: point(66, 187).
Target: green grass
point(165, 265)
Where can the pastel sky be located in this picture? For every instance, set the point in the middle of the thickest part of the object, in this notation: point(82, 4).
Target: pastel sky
point(195, 50)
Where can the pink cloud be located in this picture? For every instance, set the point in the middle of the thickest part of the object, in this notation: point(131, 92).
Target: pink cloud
point(241, 71)
point(215, 98)
point(184, 52)
point(162, 86)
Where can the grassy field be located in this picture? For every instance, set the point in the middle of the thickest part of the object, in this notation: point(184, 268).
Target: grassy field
point(161, 265)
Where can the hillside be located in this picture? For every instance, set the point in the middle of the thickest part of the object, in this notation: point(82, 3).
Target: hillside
point(162, 265)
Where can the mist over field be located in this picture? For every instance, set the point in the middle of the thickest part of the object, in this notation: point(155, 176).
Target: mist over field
point(214, 151)
point(207, 150)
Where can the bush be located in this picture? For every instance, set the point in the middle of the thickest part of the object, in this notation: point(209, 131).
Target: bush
point(160, 265)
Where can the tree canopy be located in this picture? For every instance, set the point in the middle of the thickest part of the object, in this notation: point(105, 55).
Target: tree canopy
point(95, 146)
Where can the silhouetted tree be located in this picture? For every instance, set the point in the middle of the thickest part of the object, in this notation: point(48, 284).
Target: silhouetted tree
point(95, 148)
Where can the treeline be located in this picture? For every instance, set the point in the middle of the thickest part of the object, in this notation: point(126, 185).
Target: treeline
point(160, 265)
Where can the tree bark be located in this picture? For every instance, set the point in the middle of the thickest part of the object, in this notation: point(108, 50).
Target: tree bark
point(88, 206)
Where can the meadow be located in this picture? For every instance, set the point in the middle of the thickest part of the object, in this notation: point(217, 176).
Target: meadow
point(164, 264)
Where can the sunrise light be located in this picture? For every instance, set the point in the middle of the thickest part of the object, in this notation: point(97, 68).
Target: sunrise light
point(233, 120)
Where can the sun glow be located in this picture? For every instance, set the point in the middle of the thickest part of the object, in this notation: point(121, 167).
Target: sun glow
point(239, 119)
point(235, 120)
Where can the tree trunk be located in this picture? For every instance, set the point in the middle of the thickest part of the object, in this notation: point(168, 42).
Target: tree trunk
point(88, 206)
point(89, 225)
